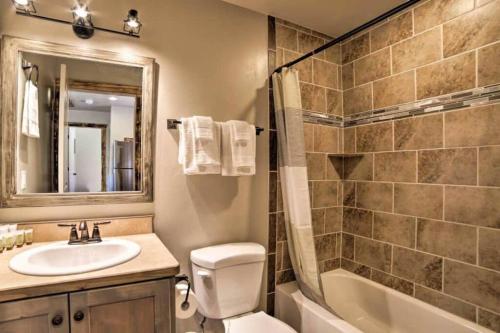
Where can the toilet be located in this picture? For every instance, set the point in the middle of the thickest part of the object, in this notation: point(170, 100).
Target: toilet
point(227, 281)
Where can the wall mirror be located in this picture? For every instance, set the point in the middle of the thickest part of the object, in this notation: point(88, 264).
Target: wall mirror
point(77, 125)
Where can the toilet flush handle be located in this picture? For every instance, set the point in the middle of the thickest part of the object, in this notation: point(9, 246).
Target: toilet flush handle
point(203, 274)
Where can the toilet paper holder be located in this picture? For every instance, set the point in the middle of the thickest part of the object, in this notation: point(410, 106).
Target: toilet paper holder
point(181, 278)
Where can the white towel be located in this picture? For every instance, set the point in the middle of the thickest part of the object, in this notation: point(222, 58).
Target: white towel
point(204, 128)
point(240, 130)
point(228, 167)
point(198, 157)
point(29, 125)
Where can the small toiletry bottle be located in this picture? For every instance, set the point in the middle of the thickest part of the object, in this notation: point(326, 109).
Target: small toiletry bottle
point(9, 240)
point(4, 228)
point(19, 237)
point(28, 236)
point(1, 243)
point(12, 227)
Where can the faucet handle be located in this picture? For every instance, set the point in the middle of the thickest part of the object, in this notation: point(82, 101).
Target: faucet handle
point(96, 234)
point(73, 234)
point(101, 223)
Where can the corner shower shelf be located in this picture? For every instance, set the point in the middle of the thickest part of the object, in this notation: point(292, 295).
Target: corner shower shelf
point(353, 155)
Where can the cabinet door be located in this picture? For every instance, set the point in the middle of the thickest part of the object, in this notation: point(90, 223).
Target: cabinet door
point(37, 315)
point(146, 307)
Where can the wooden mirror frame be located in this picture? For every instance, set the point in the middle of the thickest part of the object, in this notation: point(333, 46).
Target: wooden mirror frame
point(10, 61)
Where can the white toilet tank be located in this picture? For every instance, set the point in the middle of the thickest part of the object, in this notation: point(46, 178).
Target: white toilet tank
point(227, 278)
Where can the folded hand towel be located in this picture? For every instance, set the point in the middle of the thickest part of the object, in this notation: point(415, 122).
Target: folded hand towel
point(243, 151)
point(198, 157)
point(240, 130)
point(228, 151)
point(29, 125)
point(203, 128)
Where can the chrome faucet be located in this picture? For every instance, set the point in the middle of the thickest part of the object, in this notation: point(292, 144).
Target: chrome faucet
point(84, 232)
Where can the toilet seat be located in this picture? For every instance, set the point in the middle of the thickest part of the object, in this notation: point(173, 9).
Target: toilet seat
point(256, 322)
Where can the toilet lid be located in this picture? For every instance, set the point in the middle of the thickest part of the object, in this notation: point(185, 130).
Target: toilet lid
point(257, 322)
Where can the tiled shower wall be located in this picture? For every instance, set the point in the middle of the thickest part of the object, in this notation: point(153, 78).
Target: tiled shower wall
point(422, 200)
point(422, 194)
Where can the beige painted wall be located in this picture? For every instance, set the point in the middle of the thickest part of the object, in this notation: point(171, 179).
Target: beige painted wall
point(212, 60)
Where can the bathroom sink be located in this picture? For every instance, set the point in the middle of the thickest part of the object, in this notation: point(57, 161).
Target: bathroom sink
point(62, 259)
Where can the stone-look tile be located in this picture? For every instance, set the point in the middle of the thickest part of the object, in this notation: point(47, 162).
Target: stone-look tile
point(394, 90)
point(270, 304)
point(313, 97)
point(447, 76)
point(448, 166)
point(419, 133)
point(324, 194)
point(417, 51)
point(396, 229)
point(318, 221)
point(329, 265)
point(488, 69)
point(476, 206)
point(489, 248)
point(376, 137)
point(358, 167)
point(304, 67)
point(374, 196)
point(357, 221)
point(315, 166)
point(447, 303)
point(271, 264)
point(325, 246)
point(309, 137)
point(273, 192)
point(372, 253)
point(285, 276)
point(332, 54)
point(355, 268)
point(279, 257)
point(474, 29)
point(418, 267)
point(393, 282)
point(356, 48)
point(446, 239)
point(349, 194)
point(372, 67)
point(392, 32)
point(286, 38)
point(473, 284)
point(349, 140)
point(292, 25)
point(396, 167)
point(325, 74)
point(334, 102)
point(286, 262)
point(347, 246)
point(348, 76)
point(472, 127)
point(419, 200)
point(273, 151)
point(280, 227)
point(279, 200)
point(489, 166)
point(271, 243)
point(488, 319)
point(280, 57)
point(333, 219)
point(326, 139)
point(435, 12)
point(357, 99)
point(308, 43)
point(334, 168)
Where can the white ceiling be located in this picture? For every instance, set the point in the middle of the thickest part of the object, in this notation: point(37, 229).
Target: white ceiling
point(100, 102)
point(331, 17)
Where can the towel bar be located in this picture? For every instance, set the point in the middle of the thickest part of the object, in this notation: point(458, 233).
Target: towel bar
point(172, 124)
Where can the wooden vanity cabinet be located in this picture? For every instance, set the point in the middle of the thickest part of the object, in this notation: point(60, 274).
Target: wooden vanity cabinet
point(146, 307)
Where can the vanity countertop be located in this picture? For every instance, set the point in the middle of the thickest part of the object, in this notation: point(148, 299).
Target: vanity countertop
point(154, 261)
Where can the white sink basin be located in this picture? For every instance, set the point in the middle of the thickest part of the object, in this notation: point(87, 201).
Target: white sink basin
point(63, 259)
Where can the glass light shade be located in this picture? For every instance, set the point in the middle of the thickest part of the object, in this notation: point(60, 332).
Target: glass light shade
point(132, 25)
point(25, 6)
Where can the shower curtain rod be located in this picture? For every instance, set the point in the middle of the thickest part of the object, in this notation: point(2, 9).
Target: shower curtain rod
point(349, 34)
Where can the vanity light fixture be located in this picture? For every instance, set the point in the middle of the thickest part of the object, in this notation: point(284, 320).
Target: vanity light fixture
point(131, 24)
point(82, 20)
point(25, 6)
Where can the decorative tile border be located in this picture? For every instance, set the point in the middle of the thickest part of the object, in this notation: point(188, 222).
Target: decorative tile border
point(473, 97)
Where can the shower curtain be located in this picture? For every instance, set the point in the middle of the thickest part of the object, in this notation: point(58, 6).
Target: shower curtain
point(294, 183)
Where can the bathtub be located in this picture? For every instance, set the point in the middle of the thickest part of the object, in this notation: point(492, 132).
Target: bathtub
point(365, 306)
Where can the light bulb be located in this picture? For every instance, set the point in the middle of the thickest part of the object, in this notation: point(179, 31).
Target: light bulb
point(22, 2)
point(81, 11)
point(133, 23)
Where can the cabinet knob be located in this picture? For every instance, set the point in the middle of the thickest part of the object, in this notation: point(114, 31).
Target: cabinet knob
point(78, 316)
point(57, 320)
